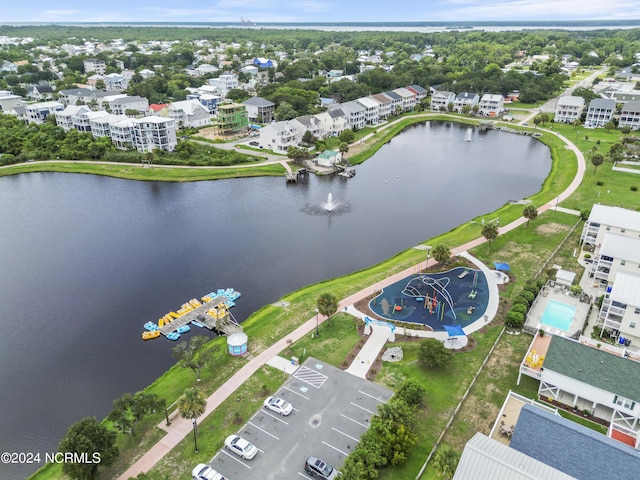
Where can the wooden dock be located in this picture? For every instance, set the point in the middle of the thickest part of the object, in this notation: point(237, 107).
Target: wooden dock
point(225, 325)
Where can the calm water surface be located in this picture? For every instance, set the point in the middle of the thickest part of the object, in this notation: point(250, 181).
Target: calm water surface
point(86, 260)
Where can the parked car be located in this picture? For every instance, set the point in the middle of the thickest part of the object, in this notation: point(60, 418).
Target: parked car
point(320, 469)
point(240, 446)
point(278, 405)
point(205, 472)
point(254, 143)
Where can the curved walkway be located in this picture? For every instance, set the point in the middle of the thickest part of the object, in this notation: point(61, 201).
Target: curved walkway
point(180, 427)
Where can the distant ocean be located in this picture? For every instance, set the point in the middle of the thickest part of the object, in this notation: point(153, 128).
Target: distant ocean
point(424, 27)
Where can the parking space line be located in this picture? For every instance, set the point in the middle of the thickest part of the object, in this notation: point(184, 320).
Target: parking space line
point(336, 449)
point(346, 435)
point(368, 411)
point(310, 376)
point(274, 416)
point(264, 431)
point(354, 421)
point(304, 476)
point(234, 457)
point(371, 396)
point(306, 398)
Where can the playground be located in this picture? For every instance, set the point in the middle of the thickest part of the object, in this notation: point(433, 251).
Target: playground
point(455, 297)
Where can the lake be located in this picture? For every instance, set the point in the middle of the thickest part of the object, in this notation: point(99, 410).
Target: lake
point(85, 260)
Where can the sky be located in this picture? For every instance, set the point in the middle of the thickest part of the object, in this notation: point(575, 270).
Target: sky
point(314, 10)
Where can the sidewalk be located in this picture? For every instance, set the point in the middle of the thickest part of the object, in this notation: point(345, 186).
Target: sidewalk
point(180, 427)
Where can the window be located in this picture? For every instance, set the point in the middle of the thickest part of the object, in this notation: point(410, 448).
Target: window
point(633, 324)
point(637, 311)
point(623, 262)
point(608, 228)
point(623, 402)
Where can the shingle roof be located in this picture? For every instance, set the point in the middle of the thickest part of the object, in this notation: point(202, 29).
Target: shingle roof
point(631, 107)
point(594, 367)
point(393, 95)
point(258, 102)
point(571, 101)
point(602, 103)
point(486, 459)
point(572, 448)
point(419, 89)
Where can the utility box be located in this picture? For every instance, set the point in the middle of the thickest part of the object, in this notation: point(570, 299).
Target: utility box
point(294, 361)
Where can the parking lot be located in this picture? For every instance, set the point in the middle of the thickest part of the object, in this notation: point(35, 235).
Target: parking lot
point(331, 410)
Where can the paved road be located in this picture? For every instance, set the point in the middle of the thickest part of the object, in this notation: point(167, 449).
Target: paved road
point(550, 106)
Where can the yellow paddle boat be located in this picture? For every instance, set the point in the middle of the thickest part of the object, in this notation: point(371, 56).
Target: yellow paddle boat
point(150, 335)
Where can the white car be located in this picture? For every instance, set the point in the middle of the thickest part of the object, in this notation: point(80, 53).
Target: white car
point(240, 446)
point(205, 472)
point(278, 405)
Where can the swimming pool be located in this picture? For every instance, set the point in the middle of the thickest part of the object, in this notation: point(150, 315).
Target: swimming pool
point(558, 315)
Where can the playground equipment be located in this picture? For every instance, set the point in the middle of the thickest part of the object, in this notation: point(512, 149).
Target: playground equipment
point(418, 287)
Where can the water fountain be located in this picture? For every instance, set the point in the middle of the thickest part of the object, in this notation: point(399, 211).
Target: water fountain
point(467, 138)
point(330, 205)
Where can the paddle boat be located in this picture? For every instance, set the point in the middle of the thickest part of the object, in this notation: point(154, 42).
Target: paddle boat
point(173, 336)
point(183, 329)
point(151, 334)
point(197, 323)
point(150, 326)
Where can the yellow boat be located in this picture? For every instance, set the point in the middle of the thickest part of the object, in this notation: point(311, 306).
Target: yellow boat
point(150, 335)
point(161, 322)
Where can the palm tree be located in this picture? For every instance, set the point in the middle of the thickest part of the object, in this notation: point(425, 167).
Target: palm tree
point(191, 405)
point(445, 461)
point(327, 305)
point(344, 148)
point(490, 232)
point(441, 253)
point(530, 213)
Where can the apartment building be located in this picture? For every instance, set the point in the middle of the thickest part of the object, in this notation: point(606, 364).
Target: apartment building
point(568, 109)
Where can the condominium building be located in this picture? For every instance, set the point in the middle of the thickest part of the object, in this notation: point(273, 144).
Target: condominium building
point(568, 109)
point(150, 133)
point(600, 112)
point(440, 100)
point(630, 116)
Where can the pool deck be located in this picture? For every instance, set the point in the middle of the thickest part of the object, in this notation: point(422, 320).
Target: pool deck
point(558, 294)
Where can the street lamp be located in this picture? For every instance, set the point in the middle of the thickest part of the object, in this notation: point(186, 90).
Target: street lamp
point(428, 254)
point(195, 428)
point(317, 312)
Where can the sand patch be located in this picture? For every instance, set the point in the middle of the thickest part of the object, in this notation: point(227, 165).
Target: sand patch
point(551, 228)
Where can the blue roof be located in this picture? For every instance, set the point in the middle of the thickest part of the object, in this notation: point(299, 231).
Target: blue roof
point(573, 449)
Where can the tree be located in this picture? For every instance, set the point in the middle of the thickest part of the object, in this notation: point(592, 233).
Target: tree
point(92, 439)
point(490, 232)
point(129, 409)
point(344, 148)
point(445, 461)
point(441, 253)
point(327, 305)
point(411, 392)
point(530, 213)
point(191, 405)
point(308, 138)
point(433, 353)
point(610, 125)
point(347, 136)
point(188, 354)
point(596, 160)
point(616, 151)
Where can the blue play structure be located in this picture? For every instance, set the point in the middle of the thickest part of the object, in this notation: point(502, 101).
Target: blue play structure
point(455, 297)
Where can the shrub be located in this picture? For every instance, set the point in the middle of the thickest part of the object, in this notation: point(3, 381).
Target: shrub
point(587, 255)
point(433, 353)
point(520, 307)
point(634, 188)
point(410, 392)
point(515, 319)
point(525, 297)
point(600, 183)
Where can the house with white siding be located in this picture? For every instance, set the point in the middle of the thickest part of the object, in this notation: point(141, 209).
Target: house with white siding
point(384, 107)
point(189, 114)
point(630, 115)
point(440, 100)
point(354, 114)
point(150, 133)
point(409, 99)
point(463, 99)
point(396, 102)
point(371, 112)
point(600, 112)
point(38, 112)
point(333, 122)
point(568, 109)
point(491, 104)
point(279, 136)
point(224, 83)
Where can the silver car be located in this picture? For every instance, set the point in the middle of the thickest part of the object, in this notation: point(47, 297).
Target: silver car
point(278, 405)
point(240, 446)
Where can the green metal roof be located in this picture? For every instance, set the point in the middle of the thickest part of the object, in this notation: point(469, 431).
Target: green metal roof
point(594, 367)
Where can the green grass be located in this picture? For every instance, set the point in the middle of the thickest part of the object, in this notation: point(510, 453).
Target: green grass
point(333, 343)
point(157, 173)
